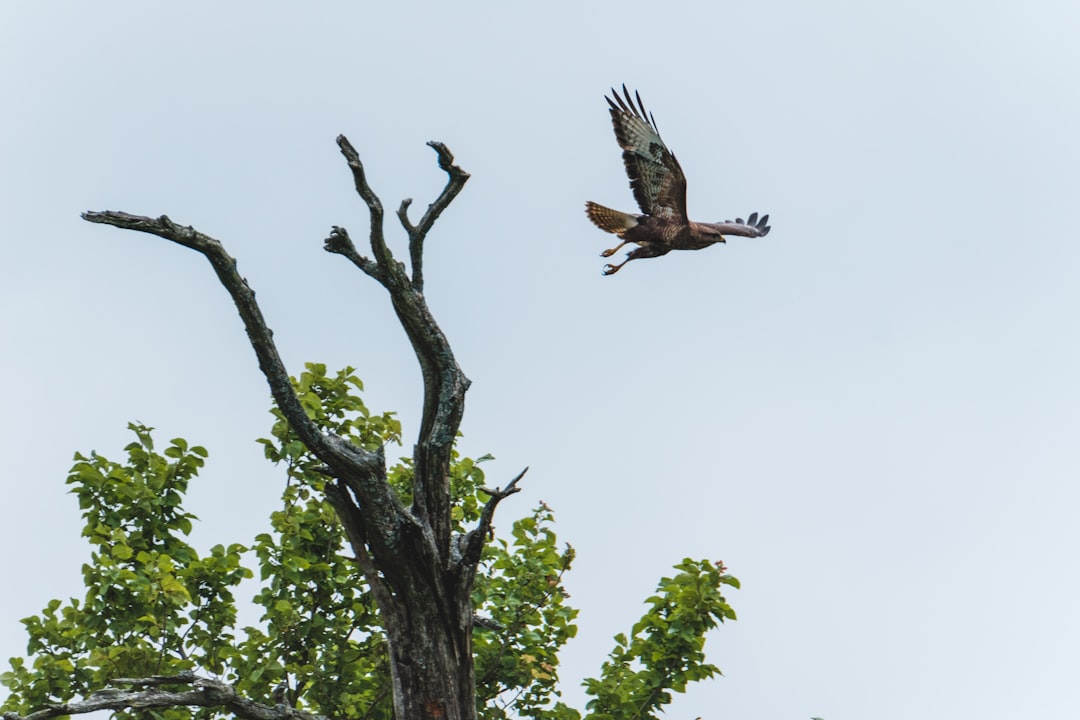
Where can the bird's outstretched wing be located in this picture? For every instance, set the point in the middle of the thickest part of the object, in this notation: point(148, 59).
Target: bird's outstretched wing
point(655, 176)
point(753, 227)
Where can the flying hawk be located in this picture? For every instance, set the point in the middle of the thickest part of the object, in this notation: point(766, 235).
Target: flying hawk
point(660, 190)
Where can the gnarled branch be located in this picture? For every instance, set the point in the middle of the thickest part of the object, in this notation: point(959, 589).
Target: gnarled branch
point(204, 693)
point(260, 336)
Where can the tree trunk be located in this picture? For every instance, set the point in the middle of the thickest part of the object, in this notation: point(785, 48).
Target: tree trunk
point(426, 609)
point(431, 654)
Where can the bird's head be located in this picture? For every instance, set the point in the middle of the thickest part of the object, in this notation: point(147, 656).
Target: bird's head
point(713, 234)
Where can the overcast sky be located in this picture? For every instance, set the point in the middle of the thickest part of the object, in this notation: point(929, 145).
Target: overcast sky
point(871, 415)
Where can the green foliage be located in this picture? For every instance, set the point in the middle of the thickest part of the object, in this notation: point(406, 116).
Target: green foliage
point(665, 650)
point(321, 629)
point(522, 593)
point(153, 605)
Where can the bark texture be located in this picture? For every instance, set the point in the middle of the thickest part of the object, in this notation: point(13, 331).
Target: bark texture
point(420, 574)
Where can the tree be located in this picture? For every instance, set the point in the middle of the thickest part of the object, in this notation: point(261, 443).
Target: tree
point(390, 630)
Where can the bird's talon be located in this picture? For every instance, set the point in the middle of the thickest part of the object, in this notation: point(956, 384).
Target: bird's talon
point(610, 269)
point(608, 253)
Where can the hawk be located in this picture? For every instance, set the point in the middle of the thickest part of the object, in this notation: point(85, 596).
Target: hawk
point(660, 190)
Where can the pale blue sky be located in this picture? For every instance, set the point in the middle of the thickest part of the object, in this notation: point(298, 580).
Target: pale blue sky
point(870, 415)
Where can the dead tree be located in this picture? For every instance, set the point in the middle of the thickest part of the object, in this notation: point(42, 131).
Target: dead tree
point(419, 572)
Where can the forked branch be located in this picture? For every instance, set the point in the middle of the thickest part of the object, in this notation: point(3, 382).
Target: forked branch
point(417, 233)
point(475, 539)
point(444, 382)
point(338, 241)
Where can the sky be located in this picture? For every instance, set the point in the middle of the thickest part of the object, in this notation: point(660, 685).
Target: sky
point(869, 415)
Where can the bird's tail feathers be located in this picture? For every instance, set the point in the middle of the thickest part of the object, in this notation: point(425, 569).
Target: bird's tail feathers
point(609, 220)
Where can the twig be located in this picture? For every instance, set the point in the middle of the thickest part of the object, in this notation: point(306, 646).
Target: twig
point(474, 540)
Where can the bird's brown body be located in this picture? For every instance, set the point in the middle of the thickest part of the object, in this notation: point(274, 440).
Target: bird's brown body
point(659, 187)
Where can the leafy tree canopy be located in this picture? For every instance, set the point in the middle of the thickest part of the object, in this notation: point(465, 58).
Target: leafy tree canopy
point(156, 606)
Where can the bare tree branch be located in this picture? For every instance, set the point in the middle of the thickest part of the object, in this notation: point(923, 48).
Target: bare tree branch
point(365, 469)
point(416, 246)
point(243, 296)
point(473, 541)
point(204, 693)
point(444, 382)
point(417, 233)
point(454, 184)
point(378, 240)
point(340, 243)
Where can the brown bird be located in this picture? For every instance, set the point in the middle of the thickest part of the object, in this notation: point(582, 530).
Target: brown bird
point(660, 190)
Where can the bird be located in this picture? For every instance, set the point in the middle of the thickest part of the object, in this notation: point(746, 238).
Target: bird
point(659, 187)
